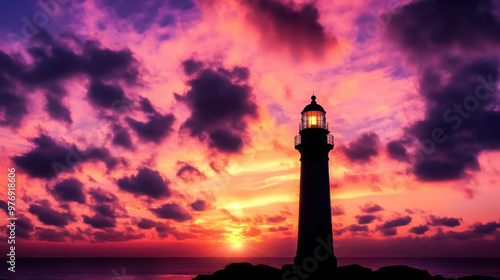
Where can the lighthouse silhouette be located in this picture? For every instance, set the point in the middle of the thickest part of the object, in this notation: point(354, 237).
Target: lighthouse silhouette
point(315, 255)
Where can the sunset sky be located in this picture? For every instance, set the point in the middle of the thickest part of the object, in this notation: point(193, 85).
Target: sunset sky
point(165, 128)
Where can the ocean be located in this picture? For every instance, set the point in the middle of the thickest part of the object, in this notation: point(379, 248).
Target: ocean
point(188, 268)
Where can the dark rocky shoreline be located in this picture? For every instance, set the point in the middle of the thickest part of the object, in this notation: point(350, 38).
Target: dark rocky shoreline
point(247, 271)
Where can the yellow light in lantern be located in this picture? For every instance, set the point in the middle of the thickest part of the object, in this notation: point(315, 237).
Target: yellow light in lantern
point(313, 120)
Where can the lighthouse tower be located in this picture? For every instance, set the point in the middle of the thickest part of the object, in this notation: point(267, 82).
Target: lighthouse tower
point(314, 142)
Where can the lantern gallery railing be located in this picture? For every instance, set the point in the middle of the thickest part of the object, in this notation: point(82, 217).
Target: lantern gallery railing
point(298, 141)
point(313, 123)
point(329, 139)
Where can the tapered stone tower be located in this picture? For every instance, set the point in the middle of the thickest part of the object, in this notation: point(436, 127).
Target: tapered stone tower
point(315, 246)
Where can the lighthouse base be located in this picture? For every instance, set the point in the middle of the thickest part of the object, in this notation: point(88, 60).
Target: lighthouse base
point(315, 266)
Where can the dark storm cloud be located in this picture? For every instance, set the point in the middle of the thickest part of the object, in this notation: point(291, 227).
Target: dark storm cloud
point(356, 228)
point(220, 104)
point(443, 221)
point(8, 68)
point(427, 27)
point(147, 182)
point(487, 228)
point(477, 231)
point(339, 231)
point(12, 104)
point(389, 232)
point(172, 211)
point(225, 140)
point(422, 229)
point(459, 87)
point(146, 106)
point(191, 66)
point(101, 196)
point(106, 64)
point(199, 205)
point(276, 219)
point(402, 221)
point(365, 219)
point(461, 133)
point(121, 137)
point(50, 66)
point(162, 231)
point(103, 155)
point(55, 106)
point(338, 210)
point(54, 61)
point(189, 173)
point(116, 236)
point(48, 158)
point(24, 227)
point(99, 221)
point(460, 236)
point(397, 150)
point(286, 26)
point(363, 148)
point(49, 216)
point(69, 190)
point(156, 129)
point(105, 95)
point(146, 223)
point(166, 230)
point(4, 205)
point(240, 74)
point(49, 234)
point(281, 228)
point(105, 210)
point(13, 107)
point(371, 207)
point(168, 19)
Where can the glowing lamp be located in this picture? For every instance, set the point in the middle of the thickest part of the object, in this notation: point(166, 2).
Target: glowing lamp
point(313, 120)
point(313, 116)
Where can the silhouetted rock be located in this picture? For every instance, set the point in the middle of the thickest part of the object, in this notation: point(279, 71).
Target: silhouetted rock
point(238, 267)
point(397, 272)
point(203, 277)
point(354, 271)
point(247, 271)
point(477, 277)
point(269, 272)
point(244, 271)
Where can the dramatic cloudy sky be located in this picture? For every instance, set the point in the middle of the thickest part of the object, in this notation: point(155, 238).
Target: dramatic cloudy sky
point(165, 128)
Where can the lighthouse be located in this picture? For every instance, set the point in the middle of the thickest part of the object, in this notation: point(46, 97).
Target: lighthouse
point(315, 254)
